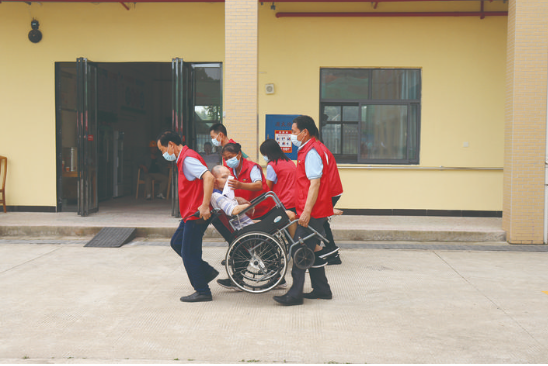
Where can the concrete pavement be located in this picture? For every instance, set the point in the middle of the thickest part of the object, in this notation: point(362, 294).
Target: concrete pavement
point(63, 303)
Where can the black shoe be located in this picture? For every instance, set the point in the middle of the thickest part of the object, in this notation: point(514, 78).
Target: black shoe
point(288, 300)
point(228, 284)
point(336, 259)
point(327, 251)
point(223, 262)
point(212, 275)
point(315, 295)
point(319, 262)
point(197, 297)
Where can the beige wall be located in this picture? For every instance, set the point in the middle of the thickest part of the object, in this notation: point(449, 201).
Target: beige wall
point(463, 70)
point(101, 32)
point(525, 148)
point(463, 63)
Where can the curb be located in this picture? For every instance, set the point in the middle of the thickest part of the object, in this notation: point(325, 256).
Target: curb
point(211, 233)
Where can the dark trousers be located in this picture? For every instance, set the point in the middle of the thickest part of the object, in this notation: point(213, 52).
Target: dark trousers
point(187, 242)
point(317, 275)
point(327, 227)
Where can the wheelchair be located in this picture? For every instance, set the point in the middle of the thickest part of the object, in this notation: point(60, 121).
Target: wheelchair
point(258, 254)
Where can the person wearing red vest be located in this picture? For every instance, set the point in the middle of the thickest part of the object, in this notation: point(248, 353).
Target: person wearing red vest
point(249, 181)
point(280, 173)
point(313, 205)
point(195, 188)
point(219, 138)
point(331, 251)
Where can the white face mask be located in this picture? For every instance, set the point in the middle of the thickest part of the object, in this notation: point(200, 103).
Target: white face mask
point(294, 139)
point(216, 142)
point(168, 156)
point(266, 158)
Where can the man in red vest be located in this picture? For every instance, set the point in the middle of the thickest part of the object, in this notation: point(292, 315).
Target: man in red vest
point(195, 189)
point(313, 205)
point(219, 138)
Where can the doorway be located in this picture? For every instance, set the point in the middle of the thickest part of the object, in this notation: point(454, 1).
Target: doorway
point(123, 107)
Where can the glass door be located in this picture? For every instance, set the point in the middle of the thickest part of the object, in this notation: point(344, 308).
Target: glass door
point(178, 110)
point(86, 120)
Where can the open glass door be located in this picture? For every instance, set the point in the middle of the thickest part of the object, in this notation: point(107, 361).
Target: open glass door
point(177, 120)
point(86, 118)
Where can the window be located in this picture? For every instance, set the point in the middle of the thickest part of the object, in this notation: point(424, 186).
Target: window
point(371, 116)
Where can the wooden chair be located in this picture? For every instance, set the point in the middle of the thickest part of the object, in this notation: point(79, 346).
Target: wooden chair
point(140, 181)
point(3, 174)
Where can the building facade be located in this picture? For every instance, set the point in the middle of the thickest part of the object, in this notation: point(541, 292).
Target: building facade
point(438, 114)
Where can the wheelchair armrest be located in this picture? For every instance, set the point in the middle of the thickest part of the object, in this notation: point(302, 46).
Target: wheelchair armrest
point(254, 202)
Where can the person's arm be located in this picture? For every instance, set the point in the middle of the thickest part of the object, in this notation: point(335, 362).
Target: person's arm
point(311, 198)
point(271, 176)
point(208, 180)
point(255, 176)
point(240, 208)
point(236, 184)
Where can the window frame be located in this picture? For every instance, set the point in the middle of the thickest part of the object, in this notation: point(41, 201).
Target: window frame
point(356, 158)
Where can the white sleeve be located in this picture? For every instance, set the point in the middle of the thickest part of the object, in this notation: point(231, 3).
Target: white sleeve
point(271, 174)
point(255, 174)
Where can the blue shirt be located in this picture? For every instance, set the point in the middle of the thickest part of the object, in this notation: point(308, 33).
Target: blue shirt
point(313, 163)
point(255, 174)
point(193, 168)
point(271, 174)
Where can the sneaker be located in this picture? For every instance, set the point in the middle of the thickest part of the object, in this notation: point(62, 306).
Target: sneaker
point(319, 262)
point(161, 196)
point(228, 284)
point(335, 259)
point(327, 251)
point(149, 197)
point(281, 285)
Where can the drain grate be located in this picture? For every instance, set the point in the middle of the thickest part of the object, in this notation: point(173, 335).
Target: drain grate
point(112, 237)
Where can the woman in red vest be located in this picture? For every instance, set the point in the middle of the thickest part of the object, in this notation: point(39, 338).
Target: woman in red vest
point(313, 204)
point(280, 173)
point(249, 181)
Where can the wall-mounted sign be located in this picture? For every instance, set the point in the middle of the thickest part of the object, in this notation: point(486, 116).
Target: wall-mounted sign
point(278, 127)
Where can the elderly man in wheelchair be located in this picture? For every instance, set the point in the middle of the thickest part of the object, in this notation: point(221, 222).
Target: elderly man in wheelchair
point(258, 253)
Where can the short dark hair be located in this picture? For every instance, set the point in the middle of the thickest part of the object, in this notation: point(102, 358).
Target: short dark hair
point(207, 143)
point(272, 150)
point(307, 123)
point(218, 127)
point(167, 136)
point(234, 148)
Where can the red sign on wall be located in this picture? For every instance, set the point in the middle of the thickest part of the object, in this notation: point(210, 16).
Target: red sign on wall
point(90, 137)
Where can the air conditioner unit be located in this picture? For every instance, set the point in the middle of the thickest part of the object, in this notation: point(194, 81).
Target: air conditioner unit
point(269, 88)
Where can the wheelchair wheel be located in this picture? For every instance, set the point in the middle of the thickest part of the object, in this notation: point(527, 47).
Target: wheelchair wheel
point(256, 262)
point(304, 257)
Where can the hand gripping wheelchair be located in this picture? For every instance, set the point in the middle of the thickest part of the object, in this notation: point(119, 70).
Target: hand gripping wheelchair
point(258, 254)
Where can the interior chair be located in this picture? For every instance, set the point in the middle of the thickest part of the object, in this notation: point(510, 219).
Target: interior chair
point(3, 174)
point(141, 181)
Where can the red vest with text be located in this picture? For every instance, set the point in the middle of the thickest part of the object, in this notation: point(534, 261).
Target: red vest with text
point(191, 193)
point(245, 177)
point(323, 206)
point(332, 172)
point(285, 171)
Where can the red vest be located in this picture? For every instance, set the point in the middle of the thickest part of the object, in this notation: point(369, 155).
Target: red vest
point(191, 193)
point(245, 177)
point(323, 206)
point(285, 171)
point(332, 172)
